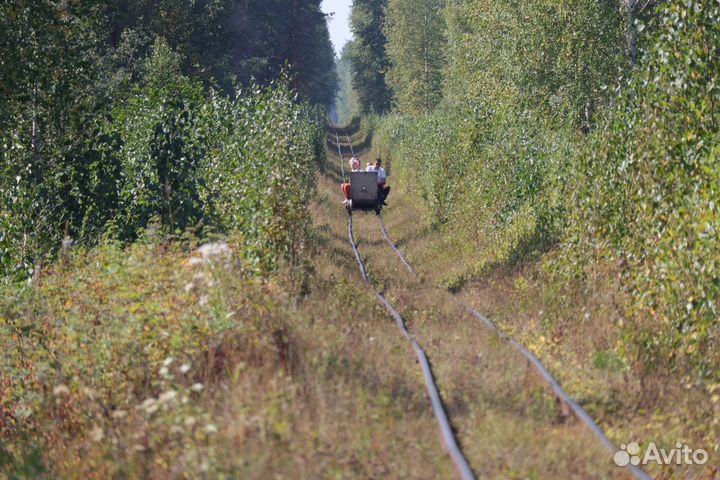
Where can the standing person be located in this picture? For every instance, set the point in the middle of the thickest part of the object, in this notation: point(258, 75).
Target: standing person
point(345, 187)
point(383, 190)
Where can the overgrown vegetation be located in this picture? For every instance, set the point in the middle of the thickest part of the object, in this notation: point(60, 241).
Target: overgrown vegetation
point(576, 141)
point(588, 131)
point(521, 82)
point(113, 116)
point(159, 361)
point(130, 133)
point(646, 193)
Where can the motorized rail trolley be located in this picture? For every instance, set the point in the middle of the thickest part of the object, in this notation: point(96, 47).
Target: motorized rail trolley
point(364, 194)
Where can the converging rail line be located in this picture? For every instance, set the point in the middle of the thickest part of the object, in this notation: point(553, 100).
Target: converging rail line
point(577, 410)
point(352, 150)
point(451, 444)
point(342, 162)
point(448, 436)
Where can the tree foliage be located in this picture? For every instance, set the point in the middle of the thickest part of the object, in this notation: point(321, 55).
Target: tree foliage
point(368, 56)
point(647, 190)
point(415, 31)
point(106, 120)
point(229, 40)
point(347, 104)
point(556, 58)
point(520, 83)
point(593, 124)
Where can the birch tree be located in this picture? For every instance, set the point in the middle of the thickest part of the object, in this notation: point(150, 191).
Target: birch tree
point(367, 55)
point(415, 30)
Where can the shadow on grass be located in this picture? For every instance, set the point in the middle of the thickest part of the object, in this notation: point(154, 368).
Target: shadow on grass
point(415, 236)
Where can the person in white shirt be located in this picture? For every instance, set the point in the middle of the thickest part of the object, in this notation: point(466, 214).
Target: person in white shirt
point(383, 190)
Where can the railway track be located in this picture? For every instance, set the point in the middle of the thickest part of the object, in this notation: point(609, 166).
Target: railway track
point(352, 150)
point(449, 439)
point(451, 443)
point(342, 162)
point(547, 377)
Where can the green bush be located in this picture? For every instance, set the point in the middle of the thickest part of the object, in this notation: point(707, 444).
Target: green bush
point(172, 151)
point(107, 117)
point(503, 196)
point(521, 83)
point(646, 193)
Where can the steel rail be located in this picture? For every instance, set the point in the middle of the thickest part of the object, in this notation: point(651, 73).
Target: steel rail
point(579, 412)
point(448, 436)
point(342, 162)
point(449, 439)
point(394, 248)
point(352, 150)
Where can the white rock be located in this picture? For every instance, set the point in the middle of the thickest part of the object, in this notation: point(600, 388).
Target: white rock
point(213, 250)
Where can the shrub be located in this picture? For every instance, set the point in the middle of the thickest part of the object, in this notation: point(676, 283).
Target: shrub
point(646, 193)
point(192, 158)
point(521, 83)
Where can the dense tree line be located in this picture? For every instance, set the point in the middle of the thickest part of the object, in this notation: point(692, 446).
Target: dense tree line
point(73, 74)
point(218, 41)
point(368, 56)
point(589, 127)
point(346, 102)
point(647, 191)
